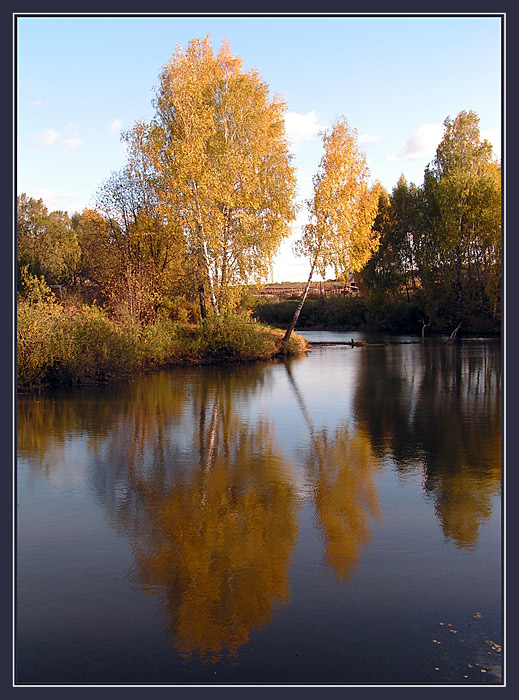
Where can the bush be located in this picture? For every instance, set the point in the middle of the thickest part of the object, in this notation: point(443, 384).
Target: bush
point(58, 345)
point(344, 313)
point(398, 316)
point(233, 336)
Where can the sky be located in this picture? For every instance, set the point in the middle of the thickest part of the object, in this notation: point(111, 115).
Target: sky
point(81, 80)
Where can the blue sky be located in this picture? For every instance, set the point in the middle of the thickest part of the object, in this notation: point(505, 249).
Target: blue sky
point(81, 80)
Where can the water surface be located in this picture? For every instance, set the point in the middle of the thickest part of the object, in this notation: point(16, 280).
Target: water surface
point(333, 519)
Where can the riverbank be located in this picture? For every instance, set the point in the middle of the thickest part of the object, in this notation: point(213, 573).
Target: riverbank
point(59, 345)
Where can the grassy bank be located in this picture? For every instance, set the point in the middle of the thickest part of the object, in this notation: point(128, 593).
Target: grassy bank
point(85, 345)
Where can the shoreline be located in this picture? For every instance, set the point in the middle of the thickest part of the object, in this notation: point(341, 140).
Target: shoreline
point(296, 347)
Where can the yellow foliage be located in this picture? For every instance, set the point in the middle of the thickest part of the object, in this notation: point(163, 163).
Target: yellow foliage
point(343, 207)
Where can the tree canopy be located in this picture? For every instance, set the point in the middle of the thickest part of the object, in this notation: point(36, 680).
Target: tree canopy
point(207, 196)
point(339, 233)
point(216, 158)
point(440, 243)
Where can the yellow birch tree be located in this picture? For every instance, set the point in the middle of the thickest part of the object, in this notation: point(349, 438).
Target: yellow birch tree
point(339, 233)
point(221, 165)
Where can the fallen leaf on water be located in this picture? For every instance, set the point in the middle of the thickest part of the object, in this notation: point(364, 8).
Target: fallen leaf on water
point(495, 647)
point(453, 631)
point(478, 615)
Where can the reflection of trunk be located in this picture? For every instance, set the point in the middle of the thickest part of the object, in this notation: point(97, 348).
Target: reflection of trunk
point(209, 449)
point(316, 444)
point(213, 436)
point(302, 405)
point(299, 306)
point(342, 490)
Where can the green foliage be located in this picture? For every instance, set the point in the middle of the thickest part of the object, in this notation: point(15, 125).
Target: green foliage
point(440, 244)
point(47, 245)
point(459, 244)
point(398, 316)
point(345, 313)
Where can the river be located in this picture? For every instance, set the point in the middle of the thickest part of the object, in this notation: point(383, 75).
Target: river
point(333, 519)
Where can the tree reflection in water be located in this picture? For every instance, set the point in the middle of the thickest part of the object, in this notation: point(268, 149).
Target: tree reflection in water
point(206, 497)
point(211, 514)
point(340, 470)
point(437, 409)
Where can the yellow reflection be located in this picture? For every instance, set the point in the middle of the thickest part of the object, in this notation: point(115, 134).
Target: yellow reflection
point(439, 409)
point(341, 469)
point(203, 496)
point(346, 500)
point(218, 545)
point(464, 497)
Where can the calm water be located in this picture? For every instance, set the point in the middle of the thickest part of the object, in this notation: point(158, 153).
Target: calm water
point(334, 519)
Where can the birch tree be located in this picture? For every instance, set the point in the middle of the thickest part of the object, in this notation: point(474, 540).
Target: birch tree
point(221, 165)
point(339, 233)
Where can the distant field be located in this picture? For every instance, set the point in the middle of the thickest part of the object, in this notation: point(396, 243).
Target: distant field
point(293, 290)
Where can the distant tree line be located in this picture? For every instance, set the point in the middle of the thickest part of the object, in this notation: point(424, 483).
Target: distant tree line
point(440, 243)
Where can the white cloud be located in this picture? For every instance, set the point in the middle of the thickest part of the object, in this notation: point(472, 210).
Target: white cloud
point(68, 144)
point(115, 126)
point(50, 137)
point(37, 103)
point(422, 144)
point(367, 138)
point(301, 127)
point(55, 201)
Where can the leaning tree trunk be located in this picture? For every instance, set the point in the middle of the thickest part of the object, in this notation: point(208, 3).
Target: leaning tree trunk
point(299, 306)
point(424, 326)
point(453, 334)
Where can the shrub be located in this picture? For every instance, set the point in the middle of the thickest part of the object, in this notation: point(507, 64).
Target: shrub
point(234, 336)
point(396, 316)
point(71, 345)
point(347, 313)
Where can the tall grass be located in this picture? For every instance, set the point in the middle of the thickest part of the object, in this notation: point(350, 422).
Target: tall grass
point(79, 345)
